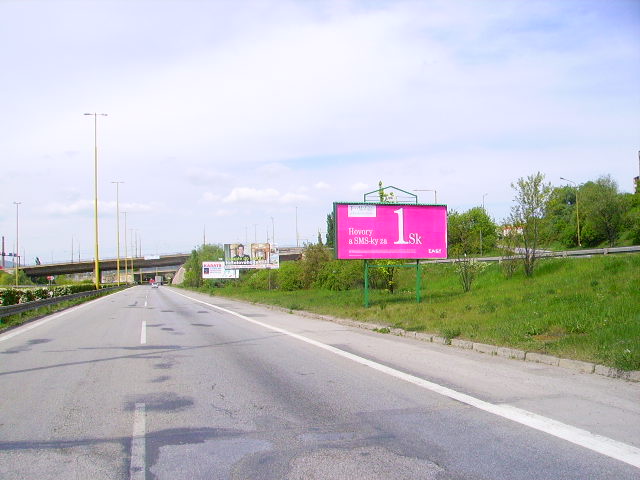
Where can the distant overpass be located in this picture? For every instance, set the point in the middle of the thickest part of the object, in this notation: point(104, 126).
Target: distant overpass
point(106, 265)
point(110, 265)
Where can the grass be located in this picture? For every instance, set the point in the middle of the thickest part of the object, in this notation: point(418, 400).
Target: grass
point(580, 308)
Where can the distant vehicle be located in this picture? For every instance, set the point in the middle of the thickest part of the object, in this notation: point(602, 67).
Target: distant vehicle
point(155, 284)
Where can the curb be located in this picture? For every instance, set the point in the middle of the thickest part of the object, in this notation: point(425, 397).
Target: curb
point(576, 366)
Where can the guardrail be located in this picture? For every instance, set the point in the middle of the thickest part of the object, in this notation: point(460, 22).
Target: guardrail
point(550, 254)
point(25, 307)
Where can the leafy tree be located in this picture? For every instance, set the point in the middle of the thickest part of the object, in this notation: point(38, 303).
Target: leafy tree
point(560, 217)
point(604, 211)
point(313, 259)
point(331, 230)
point(471, 232)
point(193, 265)
point(532, 195)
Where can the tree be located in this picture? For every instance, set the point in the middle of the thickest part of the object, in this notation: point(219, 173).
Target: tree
point(532, 194)
point(560, 217)
point(604, 211)
point(471, 232)
point(331, 230)
point(193, 265)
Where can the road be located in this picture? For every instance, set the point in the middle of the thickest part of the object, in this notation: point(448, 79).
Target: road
point(169, 384)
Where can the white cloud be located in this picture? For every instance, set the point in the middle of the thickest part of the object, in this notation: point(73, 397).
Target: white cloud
point(86, 207)
point(208, 197)
point(360, 187)
point(251, 195)
point(322, 186)
point(274, 169)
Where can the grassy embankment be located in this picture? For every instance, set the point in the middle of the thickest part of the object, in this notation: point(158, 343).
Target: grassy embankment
point(580, 308)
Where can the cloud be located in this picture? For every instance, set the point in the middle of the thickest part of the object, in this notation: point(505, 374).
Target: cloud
point(86, 207)
point(322, 186)
point(200, 176)
point(267, 195)
point(251, 195)
point(360, 187)
point(274, 169)
point(208, 197)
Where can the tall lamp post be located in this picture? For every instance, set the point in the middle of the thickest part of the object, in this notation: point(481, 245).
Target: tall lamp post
point(16, 259)
point(577, 208)
point(118, 231)
point(126, 257)
point(96, 267)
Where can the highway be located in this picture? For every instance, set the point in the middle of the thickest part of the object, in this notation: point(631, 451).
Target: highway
point(170, 384)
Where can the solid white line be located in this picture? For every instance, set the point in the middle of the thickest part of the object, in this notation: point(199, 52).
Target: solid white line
point(606, 446)
point(143, 333)
point(38, 323)
point(137, 468)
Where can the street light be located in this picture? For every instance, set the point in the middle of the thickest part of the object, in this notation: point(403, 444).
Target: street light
point(118, 230)
point(577, 208)
point(96, 267)
point(126, 257)
point(16, 259)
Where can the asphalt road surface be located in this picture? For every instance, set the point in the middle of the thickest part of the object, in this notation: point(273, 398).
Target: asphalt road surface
point(169, 384)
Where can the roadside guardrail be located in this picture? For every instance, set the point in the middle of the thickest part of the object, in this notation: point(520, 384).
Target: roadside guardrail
point(550, 254)
point(25, 307)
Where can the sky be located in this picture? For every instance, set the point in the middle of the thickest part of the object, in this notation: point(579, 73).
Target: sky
point(242, 121)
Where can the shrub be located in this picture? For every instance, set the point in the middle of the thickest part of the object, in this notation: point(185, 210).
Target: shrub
point(340, 275)
point(290, 276)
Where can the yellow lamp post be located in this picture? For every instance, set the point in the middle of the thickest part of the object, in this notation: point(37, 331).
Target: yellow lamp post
point(96, 267)
point(118, 231)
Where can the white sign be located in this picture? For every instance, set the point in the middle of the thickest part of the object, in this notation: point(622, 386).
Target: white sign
point(217, 270)
point(362, 211)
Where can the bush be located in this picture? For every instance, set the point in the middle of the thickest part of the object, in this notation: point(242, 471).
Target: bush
point(12, 296)
point(340, 275)
point(290, 276)
point(314, 258)
point(259, 279)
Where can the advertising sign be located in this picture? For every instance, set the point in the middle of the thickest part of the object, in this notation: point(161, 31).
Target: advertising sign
point(217, 270)
point(255, 255)
point(390, 231)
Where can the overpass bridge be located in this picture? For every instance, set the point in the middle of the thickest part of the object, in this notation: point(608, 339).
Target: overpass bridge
point(164, 262)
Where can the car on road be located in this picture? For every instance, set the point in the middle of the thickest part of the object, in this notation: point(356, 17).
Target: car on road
point(154, 285)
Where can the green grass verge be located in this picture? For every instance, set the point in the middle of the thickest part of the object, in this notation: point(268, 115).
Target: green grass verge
point(579, 308)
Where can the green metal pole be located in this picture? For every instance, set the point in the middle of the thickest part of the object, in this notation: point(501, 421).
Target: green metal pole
point(366, 284)
point(418, 280)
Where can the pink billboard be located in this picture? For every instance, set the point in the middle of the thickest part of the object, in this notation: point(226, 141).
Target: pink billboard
point(390, 230)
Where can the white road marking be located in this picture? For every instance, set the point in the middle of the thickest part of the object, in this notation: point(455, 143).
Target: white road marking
point(143, 333)
point(38, 323)
point(598, 443)
point(137, 468)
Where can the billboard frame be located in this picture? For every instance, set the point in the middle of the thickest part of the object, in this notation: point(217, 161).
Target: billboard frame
point(389, 199)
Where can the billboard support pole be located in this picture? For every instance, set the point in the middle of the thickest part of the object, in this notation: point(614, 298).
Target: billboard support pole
point(418, 281)
point(366, 284)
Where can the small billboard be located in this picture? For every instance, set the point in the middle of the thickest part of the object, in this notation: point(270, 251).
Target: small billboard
point(254, 255)
point(217, 270)
point(390, 231)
